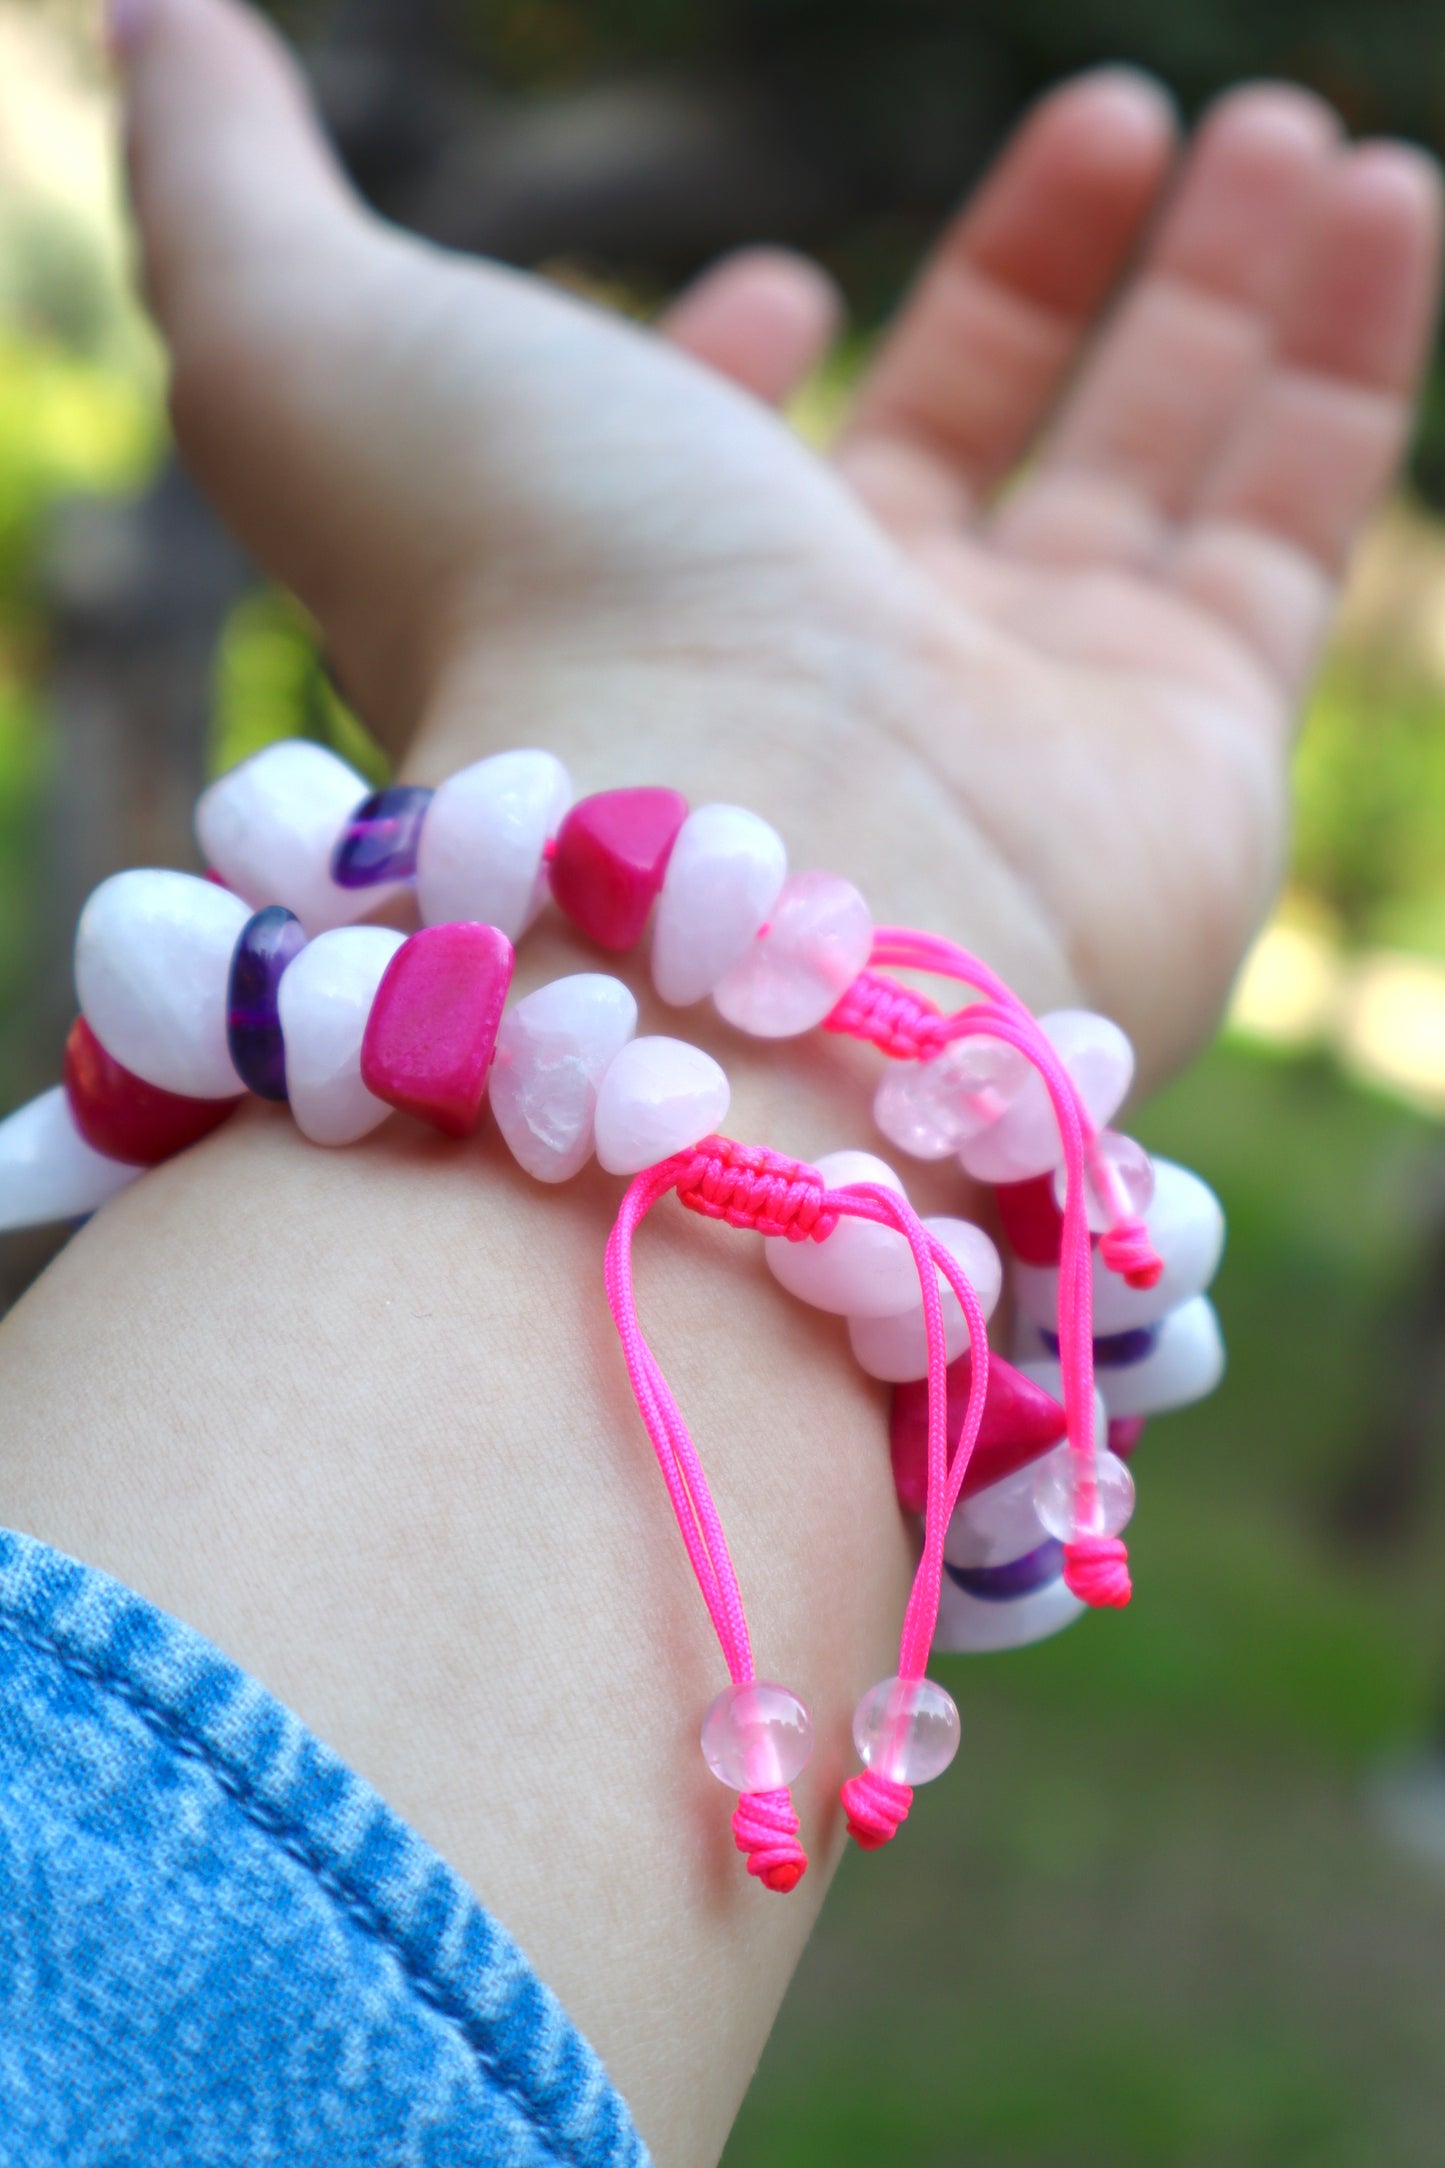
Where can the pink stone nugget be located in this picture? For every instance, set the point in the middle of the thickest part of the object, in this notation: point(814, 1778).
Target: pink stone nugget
point(611, 854)
point(433, 1024)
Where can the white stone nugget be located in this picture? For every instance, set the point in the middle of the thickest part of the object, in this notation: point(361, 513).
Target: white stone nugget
point(47, 1170)
point(152, 967)
point(1185, 1363)
point(1024, 1140)
point(996, 1524)
point(324, 1001)
point(1186, 1226)
point(788, 978)
point(896, 1348)
point(657, 1097)
point(481, 854)
point(270, 825)
point(553, 1050)
point(859, 1270)
point(972, 1626)
point(723, 878)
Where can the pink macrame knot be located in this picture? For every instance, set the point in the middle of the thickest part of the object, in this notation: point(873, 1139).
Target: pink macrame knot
point(749, 1186)
point(1096, 1570)
point(766, 1828)
point(894, 1018)
point(876, 1807)
point(1127, 1250)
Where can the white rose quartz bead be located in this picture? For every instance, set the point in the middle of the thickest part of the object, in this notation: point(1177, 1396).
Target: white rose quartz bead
point(1186, 1226)
point(722, 882)
point(896, 1348)
point(859, 1270)
point(799, 966)
point(48, 1171)
point(1184, 1364)
point(972, 1626)
point(324, 1000)
point(152, 969)
point(269, 828)
point(484, 839)
point(930, 1109)
point(996, 1524)
point(657, 1097)
point(553, 1050)
point(1024, 1139)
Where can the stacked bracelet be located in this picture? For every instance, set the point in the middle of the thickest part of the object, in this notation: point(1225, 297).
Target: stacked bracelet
point(193, 992)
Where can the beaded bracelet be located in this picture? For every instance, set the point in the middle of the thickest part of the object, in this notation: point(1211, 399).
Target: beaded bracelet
point(258, 978)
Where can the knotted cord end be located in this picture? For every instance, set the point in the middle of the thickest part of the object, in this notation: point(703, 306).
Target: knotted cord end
point(1096, 1570)
point(876, 1808)
point(893, 1018)
point(1127, 1250)
point(749, 1186)
point(766, 1829)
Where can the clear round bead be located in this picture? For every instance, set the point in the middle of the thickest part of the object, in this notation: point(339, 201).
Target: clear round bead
point(906, 1729)
point(1055, 1497)
point(929, 1109)
point(1118, 1182)
point(757, 1737)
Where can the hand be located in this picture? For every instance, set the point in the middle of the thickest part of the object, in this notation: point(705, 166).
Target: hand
point(1051, 720)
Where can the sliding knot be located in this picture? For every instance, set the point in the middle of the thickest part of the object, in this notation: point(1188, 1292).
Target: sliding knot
point(876, 1807)
point(1096, 1570)
point(766, 1828)
point(894, 1018)
point(749, 1186)
point(1127, 1250)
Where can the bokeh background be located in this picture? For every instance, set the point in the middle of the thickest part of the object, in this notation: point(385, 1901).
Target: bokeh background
point(1183, 1899)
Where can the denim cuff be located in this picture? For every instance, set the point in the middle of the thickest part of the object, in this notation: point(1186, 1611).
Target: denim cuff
point(220, 1948)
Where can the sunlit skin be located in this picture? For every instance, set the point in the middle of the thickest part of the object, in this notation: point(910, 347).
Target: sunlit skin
point(1022, 659)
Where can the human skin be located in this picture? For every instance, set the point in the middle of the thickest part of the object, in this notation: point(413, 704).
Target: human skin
point(359, 1416)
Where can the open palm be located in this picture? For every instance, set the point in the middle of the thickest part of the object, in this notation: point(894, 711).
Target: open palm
point(1051, 718)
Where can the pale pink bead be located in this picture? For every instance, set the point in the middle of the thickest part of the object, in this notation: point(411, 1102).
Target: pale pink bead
point(324, 1001)
point(1184, 1364)
point(722, 882)
point(152, 970)
point(483, 842)
point(757, 1737)
point(973, 1626)
point(1024, 1141)
point(656, 1097)
point(47, 1170)
point(1186, 1226)
point(896, 1348)
point(270, 825)
point(906, 1729)
point(1058, 1499)
point(859, 1270)
point(930, 1109)
point(996, 1524)
point(1118, 1181)
point(553, 1050)
point(796, 969)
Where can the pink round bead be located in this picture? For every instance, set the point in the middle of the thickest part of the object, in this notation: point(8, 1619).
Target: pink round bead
point(1056, 1498)
point(906, 1729)
point(757, 1737)
point(930, 1109)
point(1118, 1181)
point(803, 961)
point(1024, 1141)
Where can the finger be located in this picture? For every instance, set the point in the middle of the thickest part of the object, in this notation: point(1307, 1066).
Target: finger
point(1174, 368)
point(982, 345)
point(1323, 433)
point(763, 317)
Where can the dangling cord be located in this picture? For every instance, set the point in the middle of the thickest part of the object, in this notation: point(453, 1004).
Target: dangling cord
point(875, 1803)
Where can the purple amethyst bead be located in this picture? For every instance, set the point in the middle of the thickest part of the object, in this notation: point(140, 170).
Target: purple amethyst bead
point(268, 943)
point(1015, 1577)
point(379, 842)
point(1115, 1350)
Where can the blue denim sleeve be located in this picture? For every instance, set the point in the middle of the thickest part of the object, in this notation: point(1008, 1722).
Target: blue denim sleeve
point(218, 1946)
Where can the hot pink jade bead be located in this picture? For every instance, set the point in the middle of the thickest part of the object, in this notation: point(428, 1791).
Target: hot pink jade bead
point(906, 1730)
point(429, 1038)
point(757, 1737)
point(801, 962)
point(610, 857)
